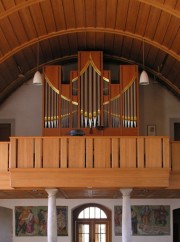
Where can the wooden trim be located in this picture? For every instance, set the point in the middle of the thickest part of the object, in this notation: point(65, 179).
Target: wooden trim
point(90, 177)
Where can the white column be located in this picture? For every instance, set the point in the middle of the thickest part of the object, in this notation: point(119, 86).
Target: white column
point(52, 216)
point(126, 216)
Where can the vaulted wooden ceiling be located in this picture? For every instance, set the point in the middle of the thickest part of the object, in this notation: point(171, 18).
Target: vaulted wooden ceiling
point(63, 27)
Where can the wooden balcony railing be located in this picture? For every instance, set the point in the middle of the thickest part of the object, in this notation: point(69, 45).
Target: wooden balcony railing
point(85, 161)
point(85, 152)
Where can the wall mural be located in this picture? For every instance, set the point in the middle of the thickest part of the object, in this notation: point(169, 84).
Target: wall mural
point(32, 221)
point(146, 220)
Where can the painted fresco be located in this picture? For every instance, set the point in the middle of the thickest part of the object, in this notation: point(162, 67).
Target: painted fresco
point(32, 221)
point(146, 220)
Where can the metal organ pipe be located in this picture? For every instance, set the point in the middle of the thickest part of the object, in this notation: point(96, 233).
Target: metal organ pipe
point(94, 99)
point(90, 96)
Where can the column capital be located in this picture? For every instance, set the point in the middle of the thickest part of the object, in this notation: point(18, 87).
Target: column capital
point(126, 191)
point(51, 191)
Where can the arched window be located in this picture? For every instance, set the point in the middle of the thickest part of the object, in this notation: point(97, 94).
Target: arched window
point(91, 223)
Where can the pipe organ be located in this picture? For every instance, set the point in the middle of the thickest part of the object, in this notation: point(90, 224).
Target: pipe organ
point(90, 102)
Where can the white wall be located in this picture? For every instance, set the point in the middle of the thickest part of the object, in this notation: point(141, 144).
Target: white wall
point(110, 203)
point(157, 106)
point(25, 107)
point(6, 224)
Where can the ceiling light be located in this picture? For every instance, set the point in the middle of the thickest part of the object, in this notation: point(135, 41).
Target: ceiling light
point(37, 80)
point(144, 79)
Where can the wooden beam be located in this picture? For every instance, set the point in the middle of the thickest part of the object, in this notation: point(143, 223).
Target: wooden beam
point(18, 7)
point(163, 7)
point(90, 177)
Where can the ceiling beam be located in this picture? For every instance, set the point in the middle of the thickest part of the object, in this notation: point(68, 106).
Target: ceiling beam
point(91, 29)
point(18, 7)
point(163, 7)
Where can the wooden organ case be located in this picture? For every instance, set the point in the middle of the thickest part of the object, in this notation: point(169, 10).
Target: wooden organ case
point(90, 103)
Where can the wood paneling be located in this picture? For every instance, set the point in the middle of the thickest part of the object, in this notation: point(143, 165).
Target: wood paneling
point(175, 155)
point(153, 153)
point(128, 152)
point(89, 151)
point(90, 177)
point(102, 152)
point(25, 153)
point(4, 156)
point(76, 152)
point(5, 181)
point(51, 152)
point(98, 179)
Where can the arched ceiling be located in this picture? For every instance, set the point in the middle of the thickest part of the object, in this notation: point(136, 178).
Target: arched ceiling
point(63, 27)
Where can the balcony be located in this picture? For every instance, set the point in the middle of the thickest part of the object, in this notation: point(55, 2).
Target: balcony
point(89, 162)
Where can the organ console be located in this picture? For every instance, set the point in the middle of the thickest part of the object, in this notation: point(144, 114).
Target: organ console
point(90, 103)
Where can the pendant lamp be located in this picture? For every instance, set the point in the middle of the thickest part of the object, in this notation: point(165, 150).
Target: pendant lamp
point(37, 80)
point(144, 79)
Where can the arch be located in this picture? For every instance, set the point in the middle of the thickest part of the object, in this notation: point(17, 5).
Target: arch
point(80, 208)
point(103, 217)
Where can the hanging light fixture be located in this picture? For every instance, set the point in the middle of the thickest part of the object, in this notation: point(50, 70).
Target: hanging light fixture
point(37, 80)
point(144, 79)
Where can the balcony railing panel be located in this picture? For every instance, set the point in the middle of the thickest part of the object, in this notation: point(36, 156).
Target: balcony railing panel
point(128, 154)
point(175, 155)
point(88, 152)
point(154, 148)
point(25, 153)
point(102, 153)
point(4, 156)
point(51, 152)
point(76, 151)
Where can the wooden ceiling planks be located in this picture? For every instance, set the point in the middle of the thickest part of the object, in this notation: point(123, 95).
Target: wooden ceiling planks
point(122, 11)
point(101, 9)
point(28, 24)
point(69, 10)
point(117, 27)
point(47, 13)
point(86, 193)
point(90, 17)
point(38, 19)
point(58, 14)
point(132, 16)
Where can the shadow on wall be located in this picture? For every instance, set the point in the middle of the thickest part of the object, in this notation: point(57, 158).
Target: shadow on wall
point(6, 228)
